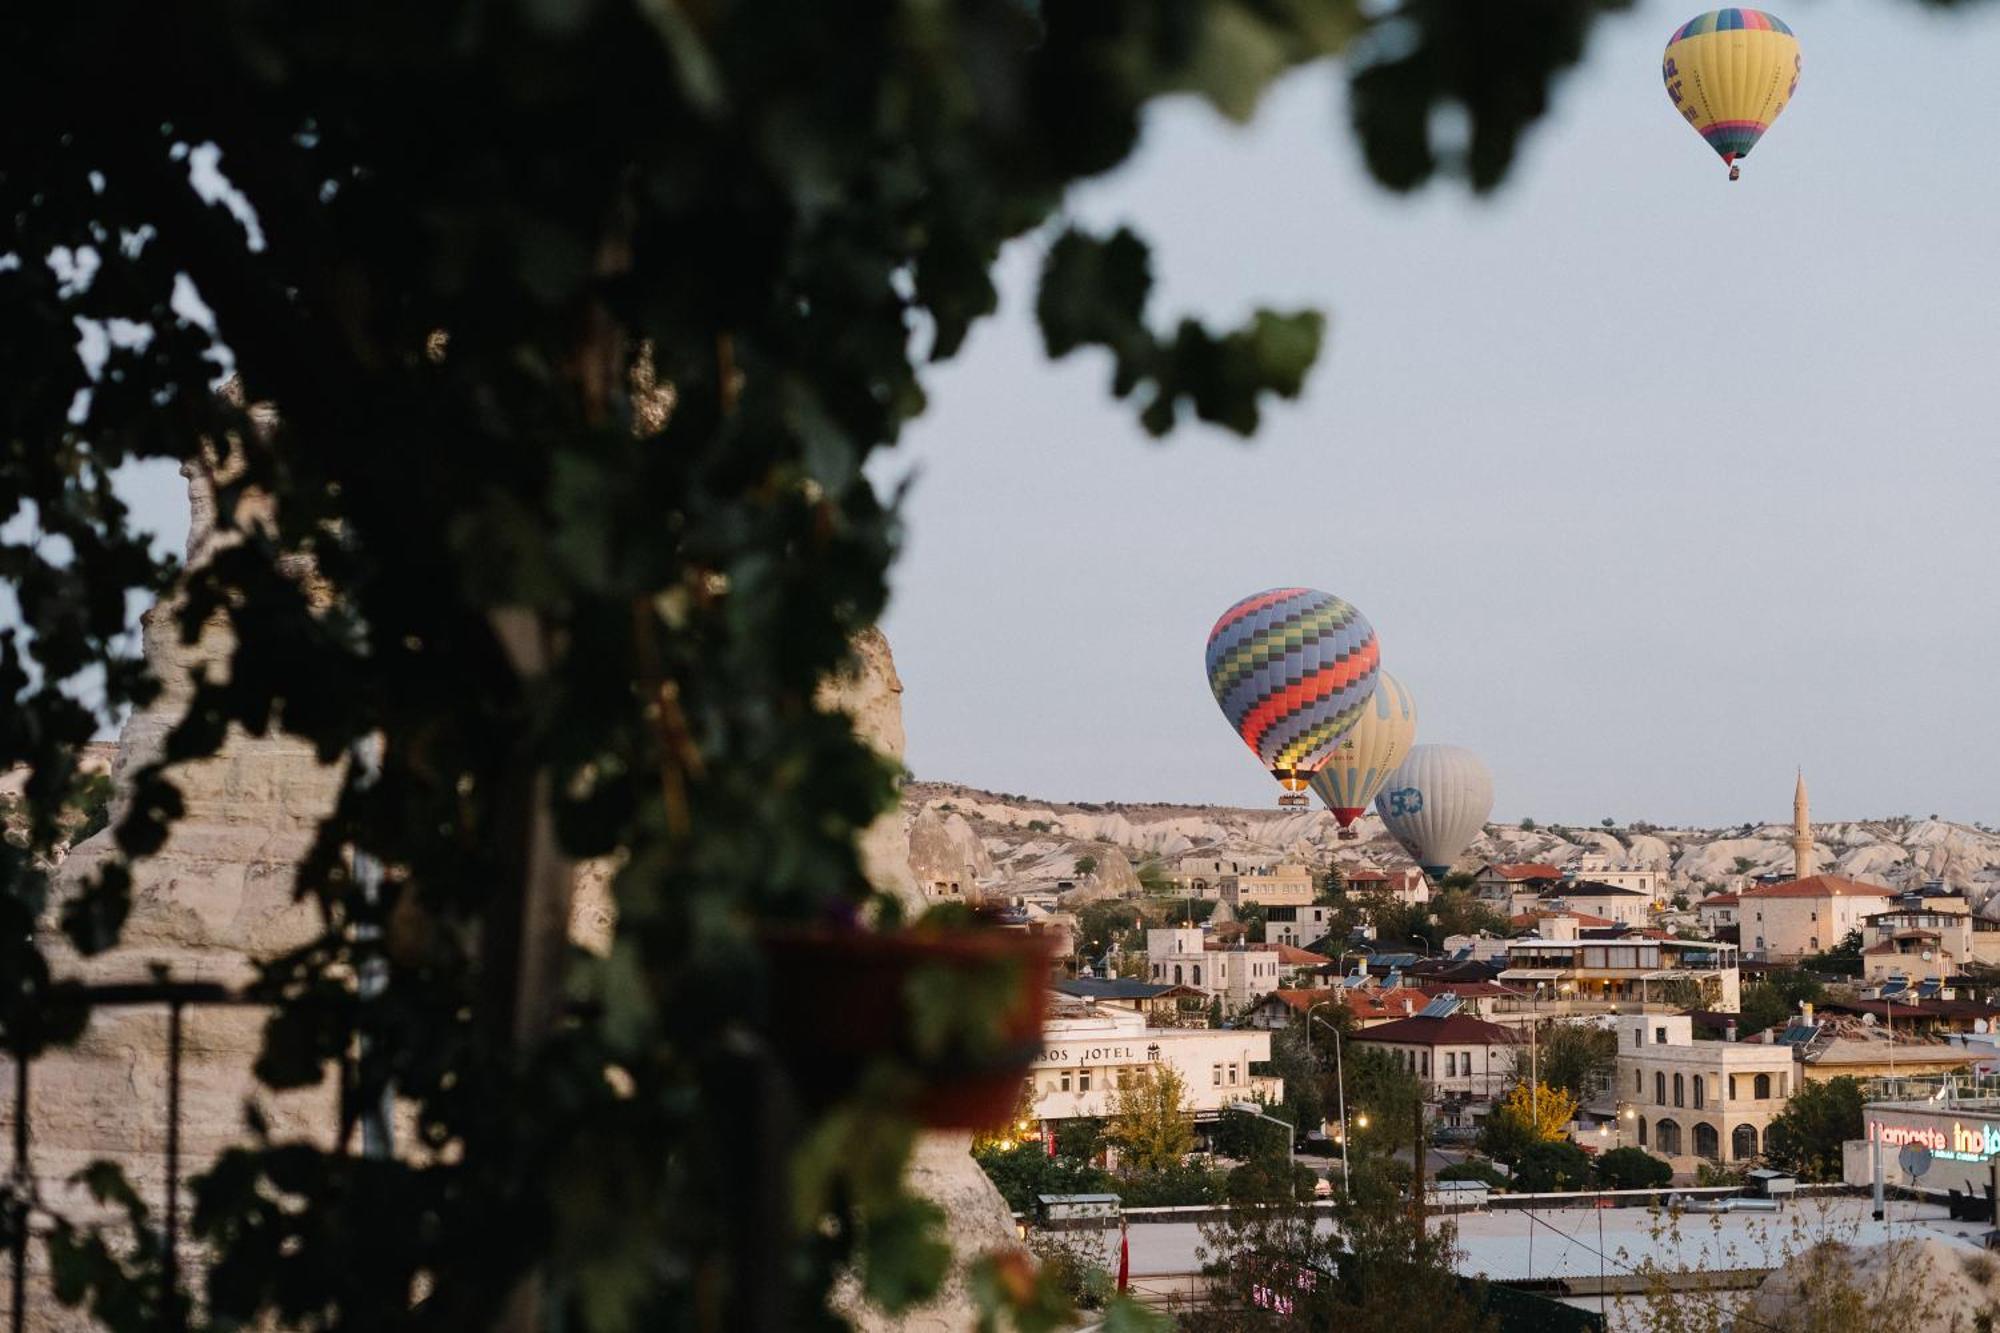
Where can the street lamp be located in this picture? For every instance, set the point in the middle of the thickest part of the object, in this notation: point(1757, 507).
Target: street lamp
point(1340, 1082)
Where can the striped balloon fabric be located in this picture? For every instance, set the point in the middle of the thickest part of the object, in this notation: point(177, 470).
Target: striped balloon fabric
point(1729, 73)
point(1363, 759)
point(1292, 669)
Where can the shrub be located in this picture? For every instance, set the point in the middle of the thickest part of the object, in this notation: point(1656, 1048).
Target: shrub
point(1633, 1169)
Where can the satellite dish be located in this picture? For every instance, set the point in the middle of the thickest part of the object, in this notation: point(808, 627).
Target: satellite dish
point(1915, 1159)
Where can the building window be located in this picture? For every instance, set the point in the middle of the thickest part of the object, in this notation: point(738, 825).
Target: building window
point(1762, 1087)
point(1177, 974)
point(1232, 1076)
point(1638, 1036)
point(1732, 1087)
point(1680, 1091)
point(1743, 1143)
point(1197, 974)
point(1638, 1083)
point(1427, 1064)
point(1451, 1064)
point(1699, 1101)
point(1083, 1080)
point(1659, 1087)
point(1215, 1072)
point(1668, 1136)
point(1707, 1143)
point(1065, 1080)
point(1659, 1036)
point(1642, 1131)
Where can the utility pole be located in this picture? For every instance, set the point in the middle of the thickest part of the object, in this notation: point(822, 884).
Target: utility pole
point(1418, 1151)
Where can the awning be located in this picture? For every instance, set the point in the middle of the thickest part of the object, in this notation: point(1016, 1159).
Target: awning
point(1532, 974)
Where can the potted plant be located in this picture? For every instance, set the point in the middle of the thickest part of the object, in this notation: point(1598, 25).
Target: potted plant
point(940, 1019)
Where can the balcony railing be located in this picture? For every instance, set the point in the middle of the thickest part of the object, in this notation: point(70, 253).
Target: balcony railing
point(22, 1190)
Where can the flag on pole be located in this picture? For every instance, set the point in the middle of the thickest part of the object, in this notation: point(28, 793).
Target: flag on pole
point(1124, 1257)
point(1049, 1137)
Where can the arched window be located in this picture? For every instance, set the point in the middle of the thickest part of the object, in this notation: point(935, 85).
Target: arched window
point(1177, 974)
point(1680, 1091)
point(1642, 1131)
point(1743, 1143)
point(1762, 1086)
point(1707, 1143)
point(1667, 1136)
point(1659, 1087)
point(1197, 974)
point(1638, 1083)
point(1699, 1080)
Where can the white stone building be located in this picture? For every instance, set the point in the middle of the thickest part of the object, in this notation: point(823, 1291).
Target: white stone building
point(1627, 907)
point(1089, 1050)
point(1237, 975)
point(1697, 1100)
point(1804, 916)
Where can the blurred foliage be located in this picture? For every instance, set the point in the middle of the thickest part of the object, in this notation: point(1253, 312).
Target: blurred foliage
point(583, 319)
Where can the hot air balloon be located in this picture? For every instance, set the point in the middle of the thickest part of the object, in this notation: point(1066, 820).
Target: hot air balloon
point(1436, 803)
point(1366, 755)
point(1730, 72)
point(1292, 669)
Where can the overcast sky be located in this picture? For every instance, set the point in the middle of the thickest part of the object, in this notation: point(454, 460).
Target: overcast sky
point(1653, 485)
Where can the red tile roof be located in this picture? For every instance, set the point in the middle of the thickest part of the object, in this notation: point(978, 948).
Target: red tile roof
point(1455, 1029)
point(1290, 956)
point(1818, 886)
point(1718, 900)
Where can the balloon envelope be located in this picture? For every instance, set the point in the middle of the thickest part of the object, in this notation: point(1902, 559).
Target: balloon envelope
point(1361, 763)
point(1436, 803)
point(1730, 72)
point(1292, 669)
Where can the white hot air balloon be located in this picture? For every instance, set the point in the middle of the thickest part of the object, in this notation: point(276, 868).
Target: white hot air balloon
point(1361, 763)
point(1436, 803)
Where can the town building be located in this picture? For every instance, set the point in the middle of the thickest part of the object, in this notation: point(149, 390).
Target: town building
point(1628, 970)
point(1695, 1100)
point(1717, 912)
point(1514, 887)
point(1369, 1005)
point(1406, 884)
point(1287, 884)
point(1462, 1061)
point(1600, 869)
point(1961, 1129)
point(1089, 1050)
point(1626, 907)
point(1926, 938)
point(1202, 876)
point(1237, 975)
point(1163, 1006)
point(1297, 926)
point(1804, 916)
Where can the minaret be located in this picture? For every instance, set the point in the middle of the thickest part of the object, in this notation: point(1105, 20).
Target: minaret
point(1802, 843)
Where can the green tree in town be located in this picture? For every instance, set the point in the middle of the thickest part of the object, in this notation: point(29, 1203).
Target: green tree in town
point(1086, 865)
point(1806, 1137)
point(1771, 1000)
point(1151, 1123)
point(1551, 1166)
point(1843, 959)
point(1633, 1169)
point(1577, 1058)
point(1459, 912)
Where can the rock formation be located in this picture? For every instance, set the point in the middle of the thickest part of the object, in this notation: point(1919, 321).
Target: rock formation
point(977, 1219)
point(217, 896)
point(943, 848)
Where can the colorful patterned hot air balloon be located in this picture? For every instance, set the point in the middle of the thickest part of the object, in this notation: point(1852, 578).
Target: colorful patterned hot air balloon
point(1436, 803)
point(1366, 755)
point(1730, 72)
point(1292, 669)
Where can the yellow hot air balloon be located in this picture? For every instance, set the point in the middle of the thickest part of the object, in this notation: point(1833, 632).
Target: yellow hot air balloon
point(1730, 72)
point(1368, 754)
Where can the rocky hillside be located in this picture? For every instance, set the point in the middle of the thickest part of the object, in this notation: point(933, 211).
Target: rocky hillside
point(991, 838)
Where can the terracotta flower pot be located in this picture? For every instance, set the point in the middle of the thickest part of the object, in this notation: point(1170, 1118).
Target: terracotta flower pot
point(844, 1002)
